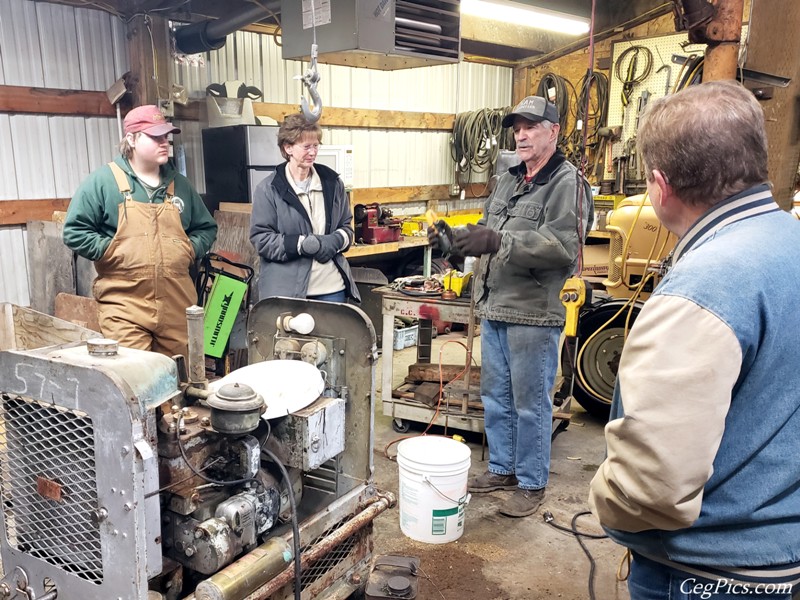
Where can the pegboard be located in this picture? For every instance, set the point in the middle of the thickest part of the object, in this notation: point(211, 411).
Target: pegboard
point(662, 49)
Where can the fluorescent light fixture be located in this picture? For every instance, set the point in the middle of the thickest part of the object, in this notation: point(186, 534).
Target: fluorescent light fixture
point(525, 15)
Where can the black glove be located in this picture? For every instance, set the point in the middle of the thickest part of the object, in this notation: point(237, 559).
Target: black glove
point(441, 236)
point(475, 240)
point(322, 247)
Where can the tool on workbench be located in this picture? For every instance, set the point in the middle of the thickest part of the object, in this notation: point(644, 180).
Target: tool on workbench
point(376, 225)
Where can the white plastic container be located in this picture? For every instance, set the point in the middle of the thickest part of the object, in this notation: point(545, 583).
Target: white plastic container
point(406, 337)
point(433, 488)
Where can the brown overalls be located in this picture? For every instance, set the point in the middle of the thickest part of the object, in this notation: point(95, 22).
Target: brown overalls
point(143, 286)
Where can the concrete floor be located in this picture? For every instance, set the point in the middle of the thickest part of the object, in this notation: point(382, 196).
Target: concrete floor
point(499, 558)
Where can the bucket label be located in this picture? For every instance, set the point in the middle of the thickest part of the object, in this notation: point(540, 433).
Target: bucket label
point(440, 517)
point(439, 520)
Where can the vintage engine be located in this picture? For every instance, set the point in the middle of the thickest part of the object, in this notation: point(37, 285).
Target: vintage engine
point(375, 224)
point(122, 479)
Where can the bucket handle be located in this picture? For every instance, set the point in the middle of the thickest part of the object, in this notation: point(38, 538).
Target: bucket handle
point(465, 500)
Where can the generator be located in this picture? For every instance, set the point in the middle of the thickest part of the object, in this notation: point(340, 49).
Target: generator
point(638, 246)
point(125, 475)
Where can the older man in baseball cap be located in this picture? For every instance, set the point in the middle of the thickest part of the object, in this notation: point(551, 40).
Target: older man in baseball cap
point(143, 225)
point(528, 242)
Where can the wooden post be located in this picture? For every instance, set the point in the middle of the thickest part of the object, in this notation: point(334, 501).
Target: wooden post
point(723, 33)
point(149, 50)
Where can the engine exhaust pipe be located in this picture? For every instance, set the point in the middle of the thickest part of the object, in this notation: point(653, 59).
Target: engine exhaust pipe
point(196, 359)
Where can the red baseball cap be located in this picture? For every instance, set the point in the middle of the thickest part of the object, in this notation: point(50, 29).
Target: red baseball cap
point(148, 119)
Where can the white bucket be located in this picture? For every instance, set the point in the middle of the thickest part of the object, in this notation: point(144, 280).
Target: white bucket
point(433, 488)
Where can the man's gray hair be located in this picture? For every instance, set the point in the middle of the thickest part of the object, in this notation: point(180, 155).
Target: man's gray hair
point(708, 140)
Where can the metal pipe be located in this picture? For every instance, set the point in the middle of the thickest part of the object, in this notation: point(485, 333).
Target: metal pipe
point(244, 568)
point(324, 546)
point(211, 34)
point(723, 34)
point(196, 359)
point(197, 393)
point(248, 573)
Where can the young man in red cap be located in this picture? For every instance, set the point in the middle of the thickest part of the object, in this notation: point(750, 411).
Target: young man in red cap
point(143, 225)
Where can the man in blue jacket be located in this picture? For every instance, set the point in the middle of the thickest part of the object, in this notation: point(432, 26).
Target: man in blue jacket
point(701, 481)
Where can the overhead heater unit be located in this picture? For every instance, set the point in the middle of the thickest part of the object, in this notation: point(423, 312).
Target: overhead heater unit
point(377, 34)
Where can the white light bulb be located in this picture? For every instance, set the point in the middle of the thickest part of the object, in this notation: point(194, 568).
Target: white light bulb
point(302, 323)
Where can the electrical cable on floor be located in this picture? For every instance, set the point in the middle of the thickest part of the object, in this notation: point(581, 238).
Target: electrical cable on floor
point(426, 576)
point(295, 527)
point(573, 529)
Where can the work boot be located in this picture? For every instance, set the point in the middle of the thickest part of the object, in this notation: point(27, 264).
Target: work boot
point(490, 482)
point(522, 503)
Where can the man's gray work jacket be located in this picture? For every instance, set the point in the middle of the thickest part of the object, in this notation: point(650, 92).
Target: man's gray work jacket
point(540, 240)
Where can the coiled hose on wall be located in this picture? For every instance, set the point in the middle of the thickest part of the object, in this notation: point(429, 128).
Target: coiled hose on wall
point(478, 136)
point(561, 98)
point(591, 114)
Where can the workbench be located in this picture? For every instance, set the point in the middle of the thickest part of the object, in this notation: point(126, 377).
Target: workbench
point(427, 309)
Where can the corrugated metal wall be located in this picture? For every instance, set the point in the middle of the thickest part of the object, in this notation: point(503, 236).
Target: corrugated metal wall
point(54, 46)
point(383, 158)
point(51, 46)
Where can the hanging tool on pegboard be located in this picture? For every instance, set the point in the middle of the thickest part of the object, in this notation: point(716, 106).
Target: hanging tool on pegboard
point(633, 74)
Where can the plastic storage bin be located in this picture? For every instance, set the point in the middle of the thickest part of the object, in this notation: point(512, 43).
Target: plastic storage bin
point(403, 338)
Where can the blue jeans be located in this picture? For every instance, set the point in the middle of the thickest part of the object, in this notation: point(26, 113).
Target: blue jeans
point(650, 580)
point(518, 368)
point(339, 296)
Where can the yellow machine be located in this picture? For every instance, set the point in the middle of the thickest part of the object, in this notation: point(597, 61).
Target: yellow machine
point(639, 244)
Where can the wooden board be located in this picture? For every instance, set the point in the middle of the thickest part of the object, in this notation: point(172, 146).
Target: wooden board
point(27, 329)
point(79, 310)
point(52, 268)
point(362, 118)
point(18, 212)
point(21, 99)
point(430, 372)
point(407, 391)
point(233, 238)
point(427, 393)
point(409, 193)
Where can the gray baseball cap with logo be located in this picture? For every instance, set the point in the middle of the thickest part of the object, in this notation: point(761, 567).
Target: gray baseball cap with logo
point(533, 108)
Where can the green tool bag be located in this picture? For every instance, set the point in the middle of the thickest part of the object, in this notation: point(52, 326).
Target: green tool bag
point(222, 302)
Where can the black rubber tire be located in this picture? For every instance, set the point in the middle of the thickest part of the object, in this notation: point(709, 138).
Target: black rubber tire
point(401, 426)
point(600, 360)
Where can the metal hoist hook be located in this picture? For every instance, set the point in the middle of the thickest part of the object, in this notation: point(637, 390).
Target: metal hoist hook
point(311, 76)
point(310, 80)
